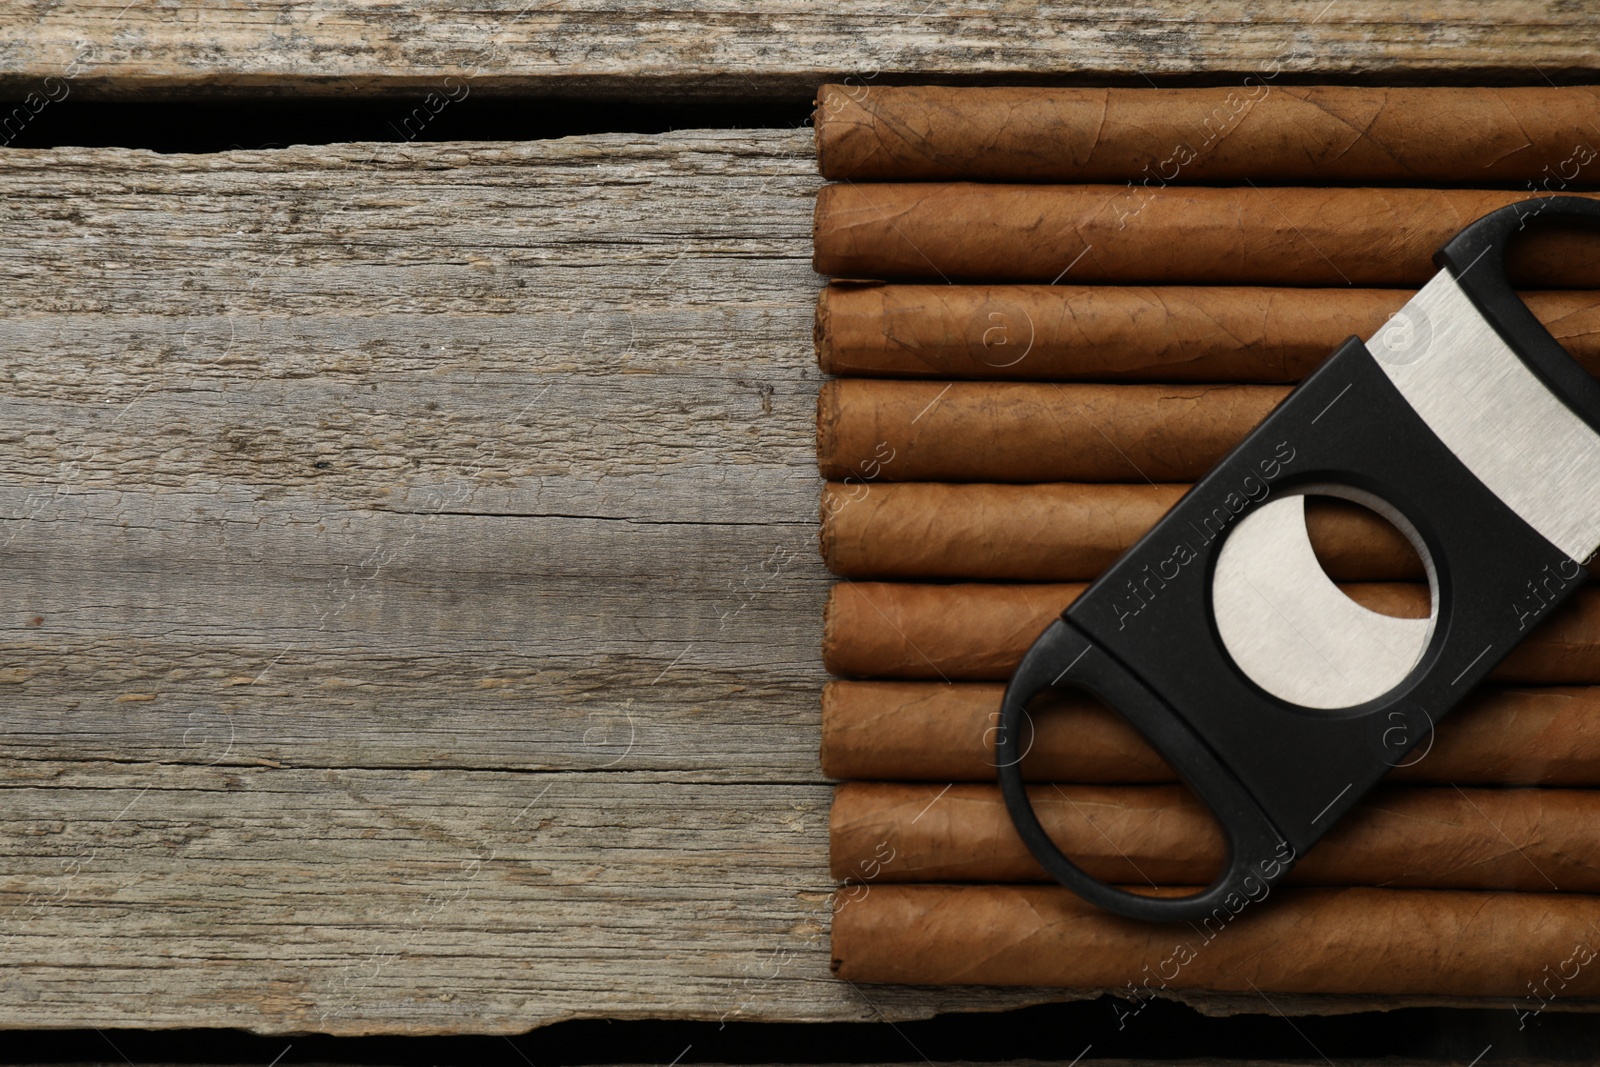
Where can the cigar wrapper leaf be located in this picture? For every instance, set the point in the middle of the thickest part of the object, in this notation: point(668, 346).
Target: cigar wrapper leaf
point(1533, 137)
point(1088, 333)
point(1404, 837)
point(941, 732)
point(873, 430)
point(1123, 235)
point(1360, 941)
point(1055, 532)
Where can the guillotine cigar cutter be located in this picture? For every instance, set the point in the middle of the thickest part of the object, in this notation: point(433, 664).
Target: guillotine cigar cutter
point(1278, 699)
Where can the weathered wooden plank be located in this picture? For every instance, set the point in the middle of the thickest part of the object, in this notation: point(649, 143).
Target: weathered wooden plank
point(552, 328)
point(434, 900)
point(712, 48)
point(319, 405)
point(304, 633)
point(411, 604)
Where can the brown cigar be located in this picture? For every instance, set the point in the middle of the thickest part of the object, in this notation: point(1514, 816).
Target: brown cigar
point(978, 633)
point(1174, 236)
point(1114, 333)
point(1358, 941)
point(1541, 137)
point(937, 732)
point(1030, 432)
point(1056, 532)
point(1403, 837)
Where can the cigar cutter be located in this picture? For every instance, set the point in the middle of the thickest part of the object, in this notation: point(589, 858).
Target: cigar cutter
point(1276, 697)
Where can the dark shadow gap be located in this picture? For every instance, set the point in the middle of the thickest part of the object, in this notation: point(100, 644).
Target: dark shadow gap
point(221, 126)
point(1085, 1030)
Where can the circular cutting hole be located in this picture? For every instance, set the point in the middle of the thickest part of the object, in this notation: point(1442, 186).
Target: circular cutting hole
point(1297, 633)
point(1356, 543)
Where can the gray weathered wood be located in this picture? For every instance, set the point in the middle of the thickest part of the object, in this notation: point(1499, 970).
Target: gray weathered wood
point(602, 48)
point(412, 608)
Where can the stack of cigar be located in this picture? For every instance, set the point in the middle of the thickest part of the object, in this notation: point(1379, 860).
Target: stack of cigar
point(1051, 309)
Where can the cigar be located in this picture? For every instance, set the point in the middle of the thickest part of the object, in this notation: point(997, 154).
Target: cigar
point(1115, 333)
point(1539, 138)
point(978, 633)
point(939, 732)
point(1412, 837)
point(1031, 432)
point(1174, 236)
point(1528, 946)
point(1056, 532)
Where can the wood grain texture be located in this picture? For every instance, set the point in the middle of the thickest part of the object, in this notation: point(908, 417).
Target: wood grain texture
point(412, 612)
point(776, 48)
point(411, 608)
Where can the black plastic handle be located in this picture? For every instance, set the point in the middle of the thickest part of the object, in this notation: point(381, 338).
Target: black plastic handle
point(1258, 856)
point(1476, 259)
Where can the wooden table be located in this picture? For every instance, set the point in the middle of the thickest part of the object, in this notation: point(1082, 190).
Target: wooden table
point(412, 606)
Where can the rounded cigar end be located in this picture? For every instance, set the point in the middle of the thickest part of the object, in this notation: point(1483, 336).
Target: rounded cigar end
point(821, 331)
point(821, 108)
point(830, 727)
point(840, 850)
point(830, 619)
point(821, 215)
point(826, 535)
point(838, 113)
point(828, 430)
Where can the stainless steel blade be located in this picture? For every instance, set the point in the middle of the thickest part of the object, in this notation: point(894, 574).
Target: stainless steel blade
point(1495, 414)
point(1291, 630)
